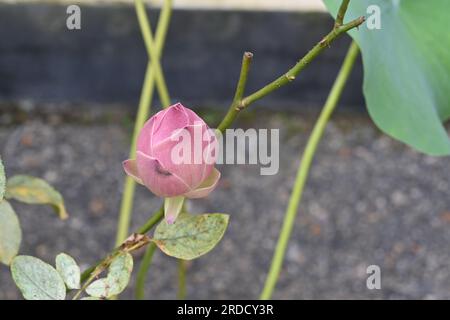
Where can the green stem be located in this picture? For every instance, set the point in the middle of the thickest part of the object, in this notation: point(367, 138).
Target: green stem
point(290, 75)
point(96, 271)
point(145, 102)
point(133, 243)
point(240, 88)
point(143, 271)
point(341, 14)
point(152, 49)
point(303, 170)
point(86, 273)
point(181, 295)
point(155, 218)
point(146, 227)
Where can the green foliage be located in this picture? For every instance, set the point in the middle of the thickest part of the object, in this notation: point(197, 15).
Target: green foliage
point(117, 279)
point(191, 235)
point(33, 190)
point(10, 233)
point(36, 279)
point(69, 270)
point(406, 69)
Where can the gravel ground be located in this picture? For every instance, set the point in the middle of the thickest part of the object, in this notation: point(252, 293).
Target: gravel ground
point(369, 200)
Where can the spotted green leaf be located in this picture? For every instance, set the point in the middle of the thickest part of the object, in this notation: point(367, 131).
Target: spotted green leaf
point(116, 281)
point(10, 233)
point(68, 270)
point(34, 190)
point(36, 279)
point(100, 288)
point(406, 68)
point(191, 235)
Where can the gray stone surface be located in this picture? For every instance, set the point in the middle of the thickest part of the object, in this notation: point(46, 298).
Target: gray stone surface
point(369, 200)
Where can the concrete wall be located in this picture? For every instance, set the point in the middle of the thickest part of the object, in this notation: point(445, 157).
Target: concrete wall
point(272, 5)
point(104, 62)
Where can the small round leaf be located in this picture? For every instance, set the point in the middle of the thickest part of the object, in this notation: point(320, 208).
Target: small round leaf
point(118, 277)
point(69, 270)
point(36, 279)
point(99, 288)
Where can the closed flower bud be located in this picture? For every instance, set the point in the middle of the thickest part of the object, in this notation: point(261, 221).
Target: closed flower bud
point(175, 157)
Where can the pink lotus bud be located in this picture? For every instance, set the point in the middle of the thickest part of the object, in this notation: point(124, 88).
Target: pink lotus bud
point(175, 156)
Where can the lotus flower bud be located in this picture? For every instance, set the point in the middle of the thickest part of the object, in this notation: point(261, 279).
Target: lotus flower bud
point(175, 157)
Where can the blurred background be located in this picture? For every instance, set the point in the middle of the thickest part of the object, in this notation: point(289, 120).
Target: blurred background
point(68, 100)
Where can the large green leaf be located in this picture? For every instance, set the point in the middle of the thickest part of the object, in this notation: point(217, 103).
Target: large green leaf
point(407, 69)
point(191, 235)
point(36, 279)
point(10, 233)
point(34, 190)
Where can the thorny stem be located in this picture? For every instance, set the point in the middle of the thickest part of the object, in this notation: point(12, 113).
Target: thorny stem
point(305, 61)
point(146, 227)
point(341, 14)
point(134, 242)
point(303, 170)
point(290, 75)
point(145, 103)
point(240, 88)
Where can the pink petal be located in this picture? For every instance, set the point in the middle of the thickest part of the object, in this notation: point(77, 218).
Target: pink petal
point(195, 169)
point(160, 126)
point(131, 169)
point(193, 117)
point(158, 179)
point(144, 140)
point(210, 153)
point(208, 185)
point(172, 119)
point(172, 208)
